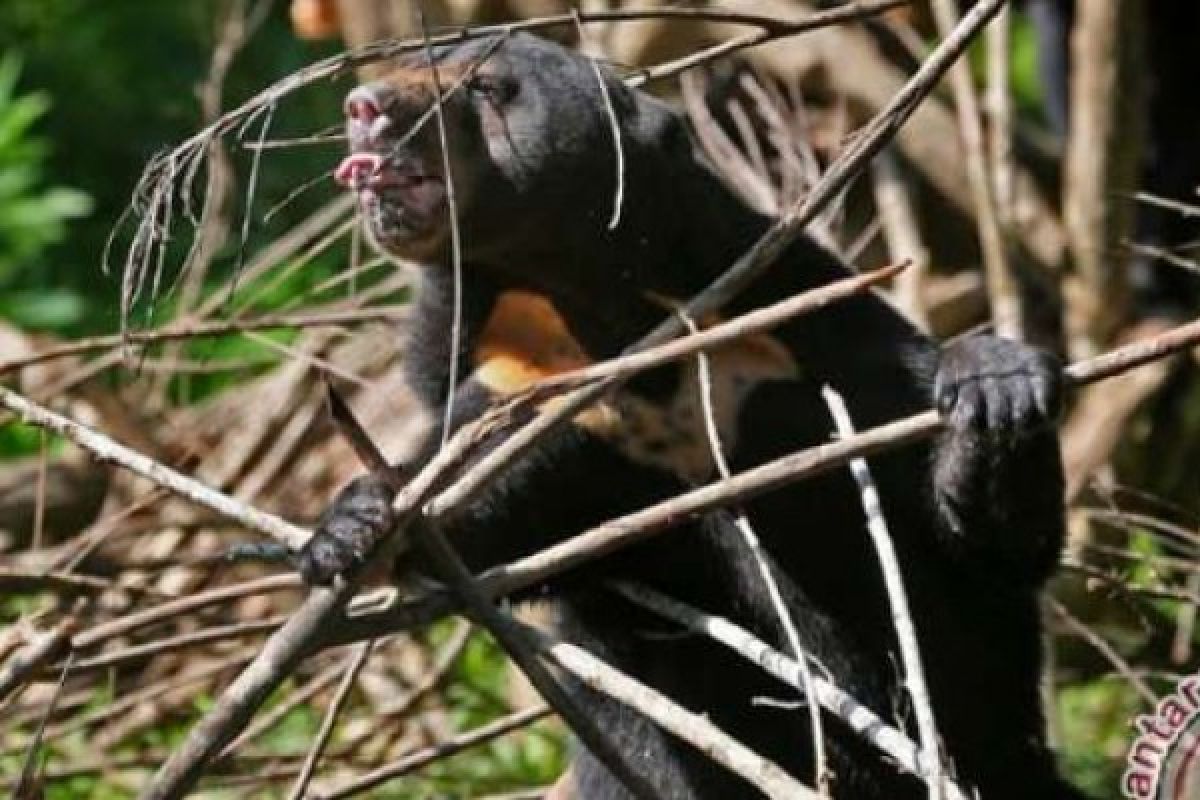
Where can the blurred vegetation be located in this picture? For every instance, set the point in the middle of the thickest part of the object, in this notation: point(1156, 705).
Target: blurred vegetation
point(33, 217)
point(110, 84)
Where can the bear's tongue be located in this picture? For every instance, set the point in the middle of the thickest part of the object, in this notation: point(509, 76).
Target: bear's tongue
point(357, 169)
point(371, 171)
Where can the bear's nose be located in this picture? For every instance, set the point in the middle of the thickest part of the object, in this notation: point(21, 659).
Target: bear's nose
point(363, 105)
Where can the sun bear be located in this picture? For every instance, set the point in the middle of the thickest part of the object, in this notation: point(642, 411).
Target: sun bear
point(549, 284)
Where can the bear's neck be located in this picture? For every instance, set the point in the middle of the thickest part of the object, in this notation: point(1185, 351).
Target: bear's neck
point(675, 236)
point(609, 287)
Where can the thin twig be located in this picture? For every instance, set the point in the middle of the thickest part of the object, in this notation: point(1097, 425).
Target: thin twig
point(614, 126)
point(847, 12)
point(1002, 287)
point(1183, 209)
point(194, 330)
point(421, 758)
point(106, 450)
point(40, 650)
point(693, 728)
point(359, 660)
point(893, 580)
point(821, 777)
point(28, 779)
point(456, 323)
point(1106, 650)
point(902, 233)
point(889, 740)
point(623, 531)
point(96, 635)
point(752, 322)
point(183, 641)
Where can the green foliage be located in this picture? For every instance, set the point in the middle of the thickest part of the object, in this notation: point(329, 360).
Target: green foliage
point(1096, 734)
point(33, 216)
point(123, 76)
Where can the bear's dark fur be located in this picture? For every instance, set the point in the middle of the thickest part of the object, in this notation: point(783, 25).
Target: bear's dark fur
point(976, 516)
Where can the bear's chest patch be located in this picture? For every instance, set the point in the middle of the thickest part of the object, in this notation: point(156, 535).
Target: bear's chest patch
point(526, 340)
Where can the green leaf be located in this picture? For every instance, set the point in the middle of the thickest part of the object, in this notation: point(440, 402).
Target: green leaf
point(44, 308)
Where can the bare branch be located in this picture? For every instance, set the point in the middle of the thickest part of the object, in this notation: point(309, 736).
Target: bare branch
point(195, 330)
point(893, 581)
point(693, 728)
point(1002, 286)
point(637, 526)
point(890, 741)
point(822, 777)
point(106, 450)
point(421, 758)
point(357, 662)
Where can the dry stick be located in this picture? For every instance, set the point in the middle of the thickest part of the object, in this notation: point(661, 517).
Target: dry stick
point(693, 728)
point(183, 641)
point(999, 106)
point(164, 612)
point(752, 264)
point(107, 451)
point(25, 786)
point(456, 266)
point(1002, 287)
point(757, 321)
point(421, 758)
point(185, 604)
point(1102, 161)
point(768, 32)
point(43, 648)
point(503, 628)
point(614, 127)
point(821, 777)
point(637, 526)
point(893, 581)
point(890, 741)
point(296, 698)
point(131, 699)
point(359, 660)
point(16, 581)
point(192, 330)
point(1183, 209)
point(894, 208)
point(39, 509)
point(1106, 650)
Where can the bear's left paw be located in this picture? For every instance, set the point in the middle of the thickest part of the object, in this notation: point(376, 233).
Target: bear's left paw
point(347, 533)
point(1003, 389)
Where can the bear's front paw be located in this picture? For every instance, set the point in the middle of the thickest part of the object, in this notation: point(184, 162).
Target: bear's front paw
point(346, 535)
point(999, 388)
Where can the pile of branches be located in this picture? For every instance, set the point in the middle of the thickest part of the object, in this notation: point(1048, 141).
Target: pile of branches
point(140, 596)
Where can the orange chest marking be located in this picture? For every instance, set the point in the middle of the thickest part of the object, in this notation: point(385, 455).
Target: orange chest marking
point(523, 341)
point(526, 340)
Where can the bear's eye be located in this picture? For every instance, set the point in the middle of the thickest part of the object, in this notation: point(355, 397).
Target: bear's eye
point(494, 88)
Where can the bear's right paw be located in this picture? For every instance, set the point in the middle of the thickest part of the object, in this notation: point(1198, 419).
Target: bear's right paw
point(347, 533)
